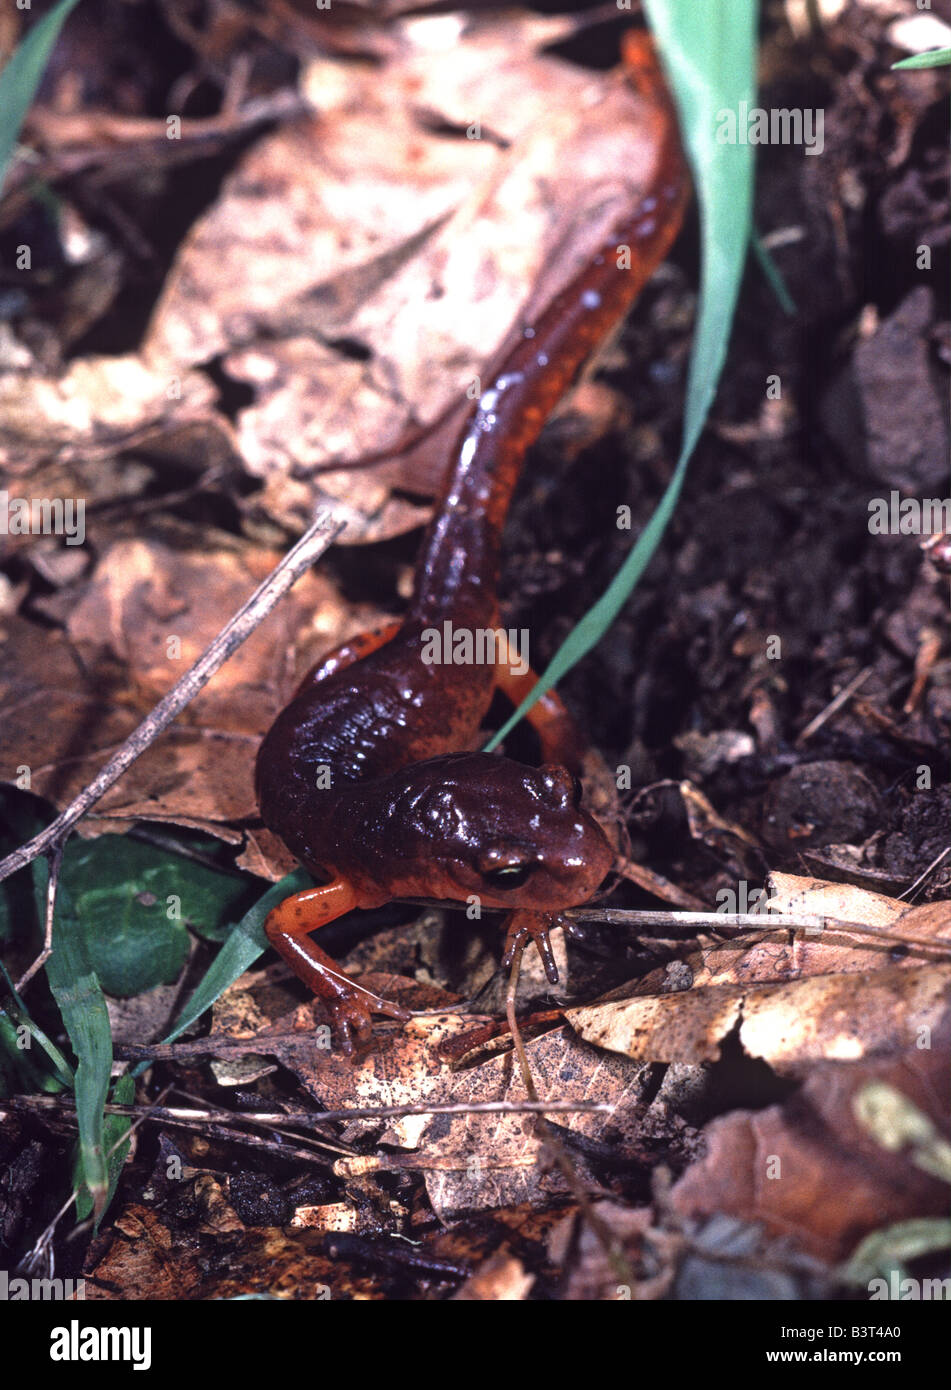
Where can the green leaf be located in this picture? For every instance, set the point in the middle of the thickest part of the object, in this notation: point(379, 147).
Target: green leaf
point(20, 1070)
point(83, 1008)
point(135, 902)
point(708, 52)
point(16, 1025)
point(936, 58)
point(119, 891)
point(239, 951)
point(21, 77)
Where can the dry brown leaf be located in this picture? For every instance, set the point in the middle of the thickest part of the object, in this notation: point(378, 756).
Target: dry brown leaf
point(367, 225)
point(469, 1162)
point(791, 893)
point(501, 1279)
point(651, 1253)
point(787, 955)
point(362, 224)
point(144, 1261)
point(808, 1169)
point(787, 1025)
point(148, 611)
point(96, 403)
point(333, 1216)
point(792, 995)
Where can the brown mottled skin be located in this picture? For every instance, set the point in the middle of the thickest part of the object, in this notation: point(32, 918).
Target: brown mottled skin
point(406, 814)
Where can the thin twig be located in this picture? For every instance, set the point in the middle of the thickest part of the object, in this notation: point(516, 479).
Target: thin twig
point(313, 1119)
point(55, 857)
point(812, 924)
point(939, 859)
point(693, 921)
point(834, 705)
point(309, 548)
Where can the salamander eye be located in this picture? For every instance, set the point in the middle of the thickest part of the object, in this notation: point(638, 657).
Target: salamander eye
point(510, 876)
point(506, 864)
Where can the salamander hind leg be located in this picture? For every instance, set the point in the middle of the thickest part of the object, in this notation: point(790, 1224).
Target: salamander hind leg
point(288, 927)
point(561, 740)
point(354, 649)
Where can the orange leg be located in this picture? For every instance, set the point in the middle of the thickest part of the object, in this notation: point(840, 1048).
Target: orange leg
point(355, 649)
point(524, 925)
point(561, 739)
point(288, 927)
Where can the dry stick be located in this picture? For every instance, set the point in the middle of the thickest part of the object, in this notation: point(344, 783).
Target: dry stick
point(54, 857)
point(834, 705)
point(208, 1130)
point(313, 1119)
point(693, 921)
point(927, 873)
point(813, 925)
point(300, 557)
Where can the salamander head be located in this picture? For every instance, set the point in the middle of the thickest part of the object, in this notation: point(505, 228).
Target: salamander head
point(514, 836)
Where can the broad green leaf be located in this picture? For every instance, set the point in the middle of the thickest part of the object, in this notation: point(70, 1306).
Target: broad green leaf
point(21, 77)
point(135, 899)
point(708, 52)
point(135, 902)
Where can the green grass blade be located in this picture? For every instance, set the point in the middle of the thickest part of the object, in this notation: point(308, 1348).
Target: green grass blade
point(240, 950)
point(116, 1147)
point(937, 58)
point(708, 52)
point(15, 1020)
point(21, 77)
point(773, 276)
point(83, 1008)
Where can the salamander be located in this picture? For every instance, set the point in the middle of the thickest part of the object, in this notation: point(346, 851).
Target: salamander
point(365, 773)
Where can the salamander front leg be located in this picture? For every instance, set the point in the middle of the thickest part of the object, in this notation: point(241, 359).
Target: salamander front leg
point(524, 925)
point(288, 927)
